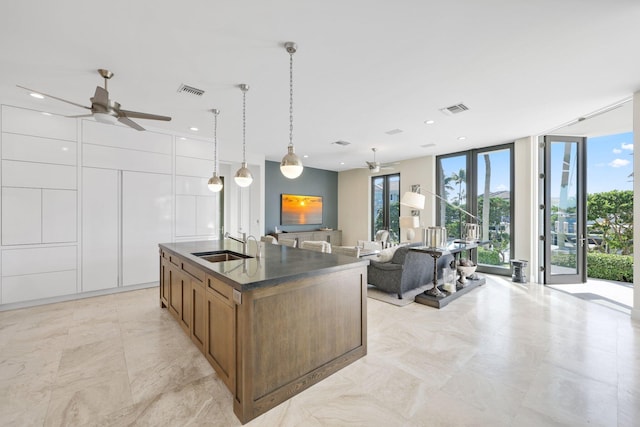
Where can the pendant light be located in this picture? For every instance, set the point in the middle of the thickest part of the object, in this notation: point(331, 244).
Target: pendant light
point(215, 183)
point(291, 165)
point(243, 177)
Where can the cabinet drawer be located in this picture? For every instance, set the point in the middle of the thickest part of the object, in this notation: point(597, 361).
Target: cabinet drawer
point(220, 289)
point(193, 271)
point(175, 260)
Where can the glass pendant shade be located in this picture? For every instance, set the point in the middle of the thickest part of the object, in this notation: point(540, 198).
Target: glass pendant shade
point(291, 165)
point(215, 183)
point(243, 177)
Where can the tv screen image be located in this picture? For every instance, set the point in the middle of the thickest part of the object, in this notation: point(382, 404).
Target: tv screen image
point(299, 209)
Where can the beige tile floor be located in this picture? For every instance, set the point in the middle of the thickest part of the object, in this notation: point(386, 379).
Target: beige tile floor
point(502, 355)
point(615, 295)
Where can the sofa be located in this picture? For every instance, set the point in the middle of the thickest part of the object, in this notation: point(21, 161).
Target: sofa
point(405, 270)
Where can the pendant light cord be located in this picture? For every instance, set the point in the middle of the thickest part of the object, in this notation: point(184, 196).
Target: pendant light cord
point(244, 125)
point(291, 98)
point(215, 142)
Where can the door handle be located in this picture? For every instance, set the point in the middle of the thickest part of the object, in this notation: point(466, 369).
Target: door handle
point(582, 240)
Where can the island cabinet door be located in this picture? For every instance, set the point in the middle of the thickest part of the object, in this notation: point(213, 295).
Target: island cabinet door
point(176, 294)
point(198, 314)
point(221, 327)
point(165, 281)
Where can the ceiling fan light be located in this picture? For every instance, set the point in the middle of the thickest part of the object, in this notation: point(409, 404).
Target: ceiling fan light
point(215, 183)
point(291, 165)
point(243, 177)
point(105, 118)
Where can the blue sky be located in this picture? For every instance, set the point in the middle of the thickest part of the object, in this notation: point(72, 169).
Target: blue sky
point(609, 163)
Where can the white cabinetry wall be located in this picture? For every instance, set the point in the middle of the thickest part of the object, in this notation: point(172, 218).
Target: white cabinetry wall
point(84, 204)
point(39, 203)
point(127, 204)
point(198, 210)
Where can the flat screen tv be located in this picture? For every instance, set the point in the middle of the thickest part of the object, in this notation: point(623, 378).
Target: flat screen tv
point(299, 209)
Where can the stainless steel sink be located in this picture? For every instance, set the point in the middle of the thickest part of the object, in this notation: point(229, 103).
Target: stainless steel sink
point(221, 256)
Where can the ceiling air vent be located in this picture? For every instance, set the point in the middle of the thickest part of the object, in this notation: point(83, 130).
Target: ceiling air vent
point(393, 131)
point(454, 109)
point(190, 90)
point(343, 143)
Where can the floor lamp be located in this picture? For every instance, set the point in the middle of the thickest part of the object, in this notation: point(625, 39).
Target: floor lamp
point(410, 223)
point(415, 201)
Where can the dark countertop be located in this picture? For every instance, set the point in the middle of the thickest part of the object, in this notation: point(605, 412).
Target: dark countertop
point(277, 264)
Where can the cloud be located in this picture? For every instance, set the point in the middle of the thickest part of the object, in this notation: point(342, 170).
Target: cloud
point(626, 146)
point(617, 151)
point(618, 163)
point(501, 187)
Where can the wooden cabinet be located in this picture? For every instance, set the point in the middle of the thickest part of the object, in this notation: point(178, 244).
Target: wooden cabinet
point(204, 308)
point(179, 297)
point(164, 282)
point(195, 303)
point(221, 327)
point(268, 343)
point(198, 314)
point(332, 236)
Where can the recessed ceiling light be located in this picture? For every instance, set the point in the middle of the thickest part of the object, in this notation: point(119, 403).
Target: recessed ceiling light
point(182, 138)
point(341, 163)
point(37, 95)
point(195, 129)
point(429, 122)
point(462, 138)
point(306, 156)
point(44, 113)
point(65, 148)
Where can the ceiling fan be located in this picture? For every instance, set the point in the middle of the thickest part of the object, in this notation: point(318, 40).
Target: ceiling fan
point(106, 110)
point(374, 167)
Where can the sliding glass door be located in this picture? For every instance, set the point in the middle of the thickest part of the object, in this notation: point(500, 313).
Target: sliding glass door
point(385, 205)
point(564, 223)
point(477, 188)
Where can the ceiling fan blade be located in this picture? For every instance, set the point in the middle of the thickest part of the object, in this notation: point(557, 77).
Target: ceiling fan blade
point(79, 116)
point(101, 96)
point(130, 123)
point(55, 97)
point(139, 115)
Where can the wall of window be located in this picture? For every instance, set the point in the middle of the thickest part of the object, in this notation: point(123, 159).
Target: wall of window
point(477, 186)
point(385, 205)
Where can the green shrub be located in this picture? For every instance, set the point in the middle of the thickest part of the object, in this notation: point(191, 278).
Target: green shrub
point(489, 257)
point(610, 267)
point(600, 265)
point(563, 259)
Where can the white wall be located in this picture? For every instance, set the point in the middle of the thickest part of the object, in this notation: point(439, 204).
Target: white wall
point(84, 204)
point(354, 203)
point(354, 197)
point(636, 207)
point(525, 188)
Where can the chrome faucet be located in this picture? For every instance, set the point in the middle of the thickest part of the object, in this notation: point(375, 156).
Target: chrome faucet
point(258, 249)
point(243, 240)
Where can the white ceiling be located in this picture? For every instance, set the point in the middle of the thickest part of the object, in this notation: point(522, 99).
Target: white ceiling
point(363, 68)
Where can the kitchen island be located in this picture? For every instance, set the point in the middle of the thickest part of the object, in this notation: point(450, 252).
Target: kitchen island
point(270, 326)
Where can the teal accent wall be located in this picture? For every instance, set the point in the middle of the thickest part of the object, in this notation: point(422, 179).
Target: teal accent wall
point(312, 182)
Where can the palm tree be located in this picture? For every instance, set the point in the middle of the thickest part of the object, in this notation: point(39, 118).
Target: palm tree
point(457, 179)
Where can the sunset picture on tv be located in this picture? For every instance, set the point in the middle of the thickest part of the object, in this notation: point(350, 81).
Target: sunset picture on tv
point(298, 209)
